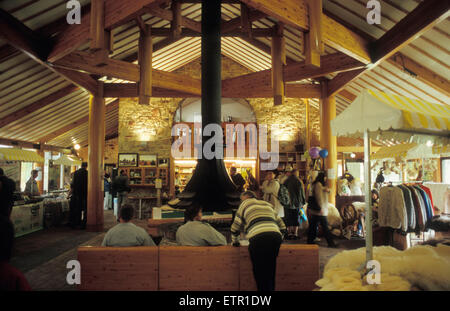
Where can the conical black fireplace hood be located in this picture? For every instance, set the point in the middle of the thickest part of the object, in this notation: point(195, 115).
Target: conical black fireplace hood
point(210, 185)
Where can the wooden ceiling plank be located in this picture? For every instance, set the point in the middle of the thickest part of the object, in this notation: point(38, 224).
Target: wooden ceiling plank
point(74, 124)
point(422, 73)
point(37, 105)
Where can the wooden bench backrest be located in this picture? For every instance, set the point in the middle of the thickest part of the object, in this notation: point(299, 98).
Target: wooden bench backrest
point(119, 268)
point(297, 268)
point(219, 268)
point(192, 268)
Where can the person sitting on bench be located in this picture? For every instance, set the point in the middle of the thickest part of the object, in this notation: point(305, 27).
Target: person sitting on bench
point(126, 233)
point(197, 233)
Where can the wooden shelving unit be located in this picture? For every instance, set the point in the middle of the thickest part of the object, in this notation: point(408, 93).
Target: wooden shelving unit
point(292, 159)
point(146, 176)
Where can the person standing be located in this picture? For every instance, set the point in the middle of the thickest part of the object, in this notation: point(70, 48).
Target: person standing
point(197, 233)
point(297, 200)
point(31, 187)
point(253, 184)
point(237, 179)
point(107, 190)
point(270, 189)
point(264, 230)
point(320, 192)
point(121, 186)
point(79, 194)
point(7, 188)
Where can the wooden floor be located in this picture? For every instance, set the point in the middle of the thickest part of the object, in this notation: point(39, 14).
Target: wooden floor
point(42, 256)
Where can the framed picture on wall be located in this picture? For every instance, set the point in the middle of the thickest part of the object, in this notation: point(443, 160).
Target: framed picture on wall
point(128, 159)
point(148, 160)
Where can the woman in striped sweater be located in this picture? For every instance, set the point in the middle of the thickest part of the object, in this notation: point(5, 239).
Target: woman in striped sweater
point(264, 229)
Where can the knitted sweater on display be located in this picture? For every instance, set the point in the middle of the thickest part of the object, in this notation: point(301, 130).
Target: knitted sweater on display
point(392, 209)
point(254, 217)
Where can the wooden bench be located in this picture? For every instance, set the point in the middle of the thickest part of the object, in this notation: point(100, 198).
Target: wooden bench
point(222, 268)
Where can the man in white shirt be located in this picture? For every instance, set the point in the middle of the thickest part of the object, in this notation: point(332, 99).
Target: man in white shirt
point(126, 233)
point(197, 233)
point(31, 187)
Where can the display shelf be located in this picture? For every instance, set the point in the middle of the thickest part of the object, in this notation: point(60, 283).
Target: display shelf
point(146, 176)
point(292, 159)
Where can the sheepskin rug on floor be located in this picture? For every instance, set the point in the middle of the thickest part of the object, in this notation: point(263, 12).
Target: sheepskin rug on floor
point(423, 266)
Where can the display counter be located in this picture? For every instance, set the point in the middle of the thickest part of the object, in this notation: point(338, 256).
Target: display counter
point(27, 218)
point(56, 212)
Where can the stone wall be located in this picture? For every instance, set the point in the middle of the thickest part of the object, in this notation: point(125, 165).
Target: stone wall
point(111, 151)
point(147, 129)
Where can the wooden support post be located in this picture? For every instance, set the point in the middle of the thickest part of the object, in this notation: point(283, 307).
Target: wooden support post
point(145, 64)
point(278, 60)
point(41, 168)
point(327, 141)
point(246, 23)
point(96, 134)
point(313, 39)
point(307, 127)
point(100, 40)
point(109, 41)
point(175, 25)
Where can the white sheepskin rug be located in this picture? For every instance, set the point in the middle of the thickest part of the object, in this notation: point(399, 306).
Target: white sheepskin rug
point(423, 266)
point(334, 218)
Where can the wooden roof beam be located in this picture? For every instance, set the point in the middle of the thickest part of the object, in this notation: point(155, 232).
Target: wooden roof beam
point(116, 11)
point(168, 15)
point(31, 145)
point(258, 91)
point(424, 17)
point(145, 66)
point(427, 14)
point(235, 23)
point(122, 90)
point(278, 61)
point(296, 72)
point(295, 14)
point(22, 37)
point(314, 38)
point(128, 71)
point(33, 45)
point(176, 22)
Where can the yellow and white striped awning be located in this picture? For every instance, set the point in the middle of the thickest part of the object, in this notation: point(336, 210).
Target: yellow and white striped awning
point(417, 113)
point(13, 154)
point(67, 160)
point(396, 151)
point(378, 111)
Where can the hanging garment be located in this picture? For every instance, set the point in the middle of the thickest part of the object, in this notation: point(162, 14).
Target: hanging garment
point(409, 208)
point(426, 204)
point(420, 226)
point(422, 208)
point(430, 196)
point(391, 209)
point(440, 191)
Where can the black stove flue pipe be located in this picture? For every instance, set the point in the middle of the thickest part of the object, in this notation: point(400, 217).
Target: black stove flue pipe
point(210, 184)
